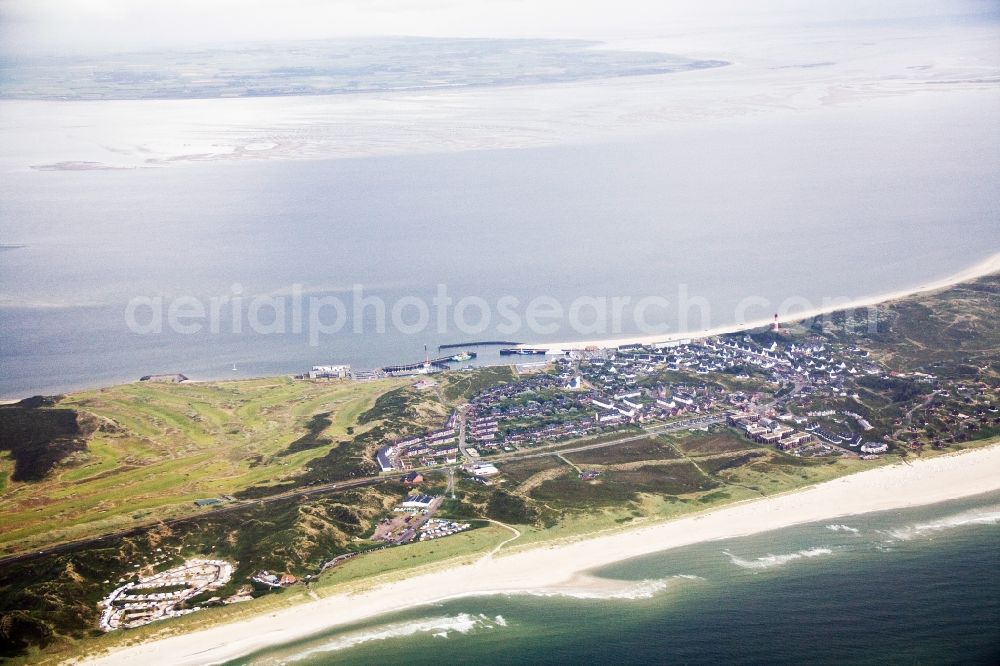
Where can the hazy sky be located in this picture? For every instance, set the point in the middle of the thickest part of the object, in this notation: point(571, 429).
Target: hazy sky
point(67, 25)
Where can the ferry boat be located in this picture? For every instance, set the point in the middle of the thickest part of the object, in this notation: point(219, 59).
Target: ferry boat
point(519, 351)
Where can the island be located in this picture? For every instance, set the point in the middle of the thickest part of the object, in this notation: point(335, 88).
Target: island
point(164, 511)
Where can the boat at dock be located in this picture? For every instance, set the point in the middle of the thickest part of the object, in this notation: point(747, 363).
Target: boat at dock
point(429, 365)
point(521, 351)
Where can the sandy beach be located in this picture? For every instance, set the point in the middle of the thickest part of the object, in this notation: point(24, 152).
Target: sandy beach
point(562, 568)
point(980, 269)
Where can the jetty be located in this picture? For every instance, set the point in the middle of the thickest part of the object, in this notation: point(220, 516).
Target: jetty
point(440, 363)
point(481, 343)
point(521, 351)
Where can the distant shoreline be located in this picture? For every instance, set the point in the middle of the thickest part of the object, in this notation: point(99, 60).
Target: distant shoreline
point(562, 568)
point(988, 266)
point(985, 267)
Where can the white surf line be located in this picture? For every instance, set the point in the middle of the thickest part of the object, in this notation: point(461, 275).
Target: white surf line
point(924, 482)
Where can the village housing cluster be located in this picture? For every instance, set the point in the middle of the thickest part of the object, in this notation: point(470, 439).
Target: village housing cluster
point(590, 392)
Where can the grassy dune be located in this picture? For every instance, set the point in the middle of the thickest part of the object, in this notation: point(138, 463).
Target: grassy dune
point(158, 447)
point(148, 450)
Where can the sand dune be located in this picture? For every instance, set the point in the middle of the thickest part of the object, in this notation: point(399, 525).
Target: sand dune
point(986, 267)
point(557, 569)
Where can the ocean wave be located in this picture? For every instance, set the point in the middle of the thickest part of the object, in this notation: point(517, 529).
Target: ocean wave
point(843, 528)
point(609, 590)
point(966, 518)
point(437, 627)
point(770, 561)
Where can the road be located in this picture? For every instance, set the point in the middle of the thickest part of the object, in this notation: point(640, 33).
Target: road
point(309, 491)
point(461, 432)
point(686, 424)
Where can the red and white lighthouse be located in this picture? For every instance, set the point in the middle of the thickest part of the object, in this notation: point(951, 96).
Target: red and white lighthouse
point(775, 326)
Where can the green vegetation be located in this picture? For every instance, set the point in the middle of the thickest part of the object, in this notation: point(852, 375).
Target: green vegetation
point(397, 413)
point(518, 472)
point(112, 458)
point(39, 439)
point(149, 450)
point(647, 448)
point(381, 565)
point(720, 441)
point(952, 333)
point(466, 384)
point(313, 438)
point(510, 508)
point(131, 457)
point(290, 535)
point(622, 483)
point(898, 390)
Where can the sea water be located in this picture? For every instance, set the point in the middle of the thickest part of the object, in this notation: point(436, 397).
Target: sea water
point(914, 586)
point(835, 203)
